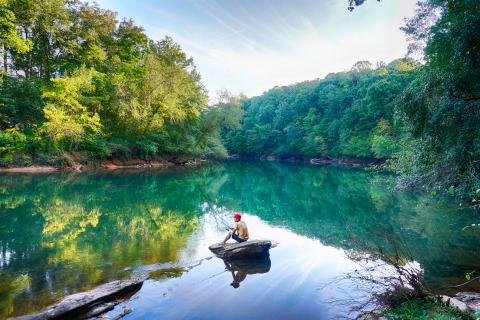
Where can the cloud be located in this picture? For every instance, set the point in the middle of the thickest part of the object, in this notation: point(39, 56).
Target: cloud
point(251, 46)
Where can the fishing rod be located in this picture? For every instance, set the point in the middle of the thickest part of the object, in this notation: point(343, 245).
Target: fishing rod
point(217, 214)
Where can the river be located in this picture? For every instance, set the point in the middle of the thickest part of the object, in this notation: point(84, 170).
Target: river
point(62, 233)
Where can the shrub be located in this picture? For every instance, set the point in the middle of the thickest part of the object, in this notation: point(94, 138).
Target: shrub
point(12, 141)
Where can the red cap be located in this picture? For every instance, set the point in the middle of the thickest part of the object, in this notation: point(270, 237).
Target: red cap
point(237, 216)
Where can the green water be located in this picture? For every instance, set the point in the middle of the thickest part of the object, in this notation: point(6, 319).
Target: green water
point(64, 233)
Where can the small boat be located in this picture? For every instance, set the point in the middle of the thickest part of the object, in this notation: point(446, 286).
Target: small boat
point(247, 249)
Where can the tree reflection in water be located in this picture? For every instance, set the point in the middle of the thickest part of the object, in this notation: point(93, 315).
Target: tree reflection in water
point(70, 232)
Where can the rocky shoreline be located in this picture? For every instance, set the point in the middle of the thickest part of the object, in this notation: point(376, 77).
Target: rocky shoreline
point(352, 162)
point(110, 164)
point(91, 303)
point(73, 164)
point(464, 301)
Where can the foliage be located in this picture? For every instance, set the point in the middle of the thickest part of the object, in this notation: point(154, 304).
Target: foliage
point(68, 113)
point(346, 114)
point(424, 118)
point(80, 81)
point(416, 309)
point(383, 140)
point(11, 142)
point(9, 37)
point(440, 107)
point(20, 102)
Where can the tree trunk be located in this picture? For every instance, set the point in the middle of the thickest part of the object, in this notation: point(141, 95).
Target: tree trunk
point(5, 59)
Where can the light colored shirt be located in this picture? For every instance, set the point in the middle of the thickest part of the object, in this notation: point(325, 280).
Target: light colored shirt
point(242, 229)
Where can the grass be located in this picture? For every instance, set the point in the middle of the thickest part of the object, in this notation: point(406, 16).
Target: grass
point(422, 310)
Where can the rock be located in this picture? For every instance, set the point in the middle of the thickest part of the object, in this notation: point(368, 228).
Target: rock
point(83, 301)
point(471, 299)
point(100, 309)
point(462, 306)
point(254, 248)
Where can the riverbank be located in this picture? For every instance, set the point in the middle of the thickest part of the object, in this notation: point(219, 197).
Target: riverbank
point(353, 162)
point(71, 163)
point(464, 306)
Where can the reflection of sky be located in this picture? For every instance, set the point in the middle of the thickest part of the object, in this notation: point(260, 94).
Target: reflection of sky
point(253, 45)
point(291, 289)
point(5, 258)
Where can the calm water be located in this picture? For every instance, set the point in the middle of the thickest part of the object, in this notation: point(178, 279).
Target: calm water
point(64, 233)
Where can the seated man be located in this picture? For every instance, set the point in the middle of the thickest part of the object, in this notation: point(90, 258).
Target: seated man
point(239, 232)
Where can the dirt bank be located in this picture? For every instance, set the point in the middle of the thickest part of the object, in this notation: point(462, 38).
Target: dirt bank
point(31, 169)
point(110, 164)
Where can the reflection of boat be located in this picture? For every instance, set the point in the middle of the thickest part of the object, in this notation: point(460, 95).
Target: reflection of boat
point(240, 268)
point(247, 249)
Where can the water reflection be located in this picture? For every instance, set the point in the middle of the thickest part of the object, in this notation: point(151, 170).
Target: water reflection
point(240, 268)
point(67, 233)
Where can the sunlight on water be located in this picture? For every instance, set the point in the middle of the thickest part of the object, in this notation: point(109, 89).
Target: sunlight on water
point(65, 233)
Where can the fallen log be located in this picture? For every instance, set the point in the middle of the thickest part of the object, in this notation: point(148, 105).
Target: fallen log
point(80, 303)
point(254, 248)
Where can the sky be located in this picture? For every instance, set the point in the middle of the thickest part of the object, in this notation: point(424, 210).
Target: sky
point(250, 46)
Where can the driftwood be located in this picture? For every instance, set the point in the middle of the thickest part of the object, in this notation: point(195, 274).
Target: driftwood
point(81, 303)
point(255, 248)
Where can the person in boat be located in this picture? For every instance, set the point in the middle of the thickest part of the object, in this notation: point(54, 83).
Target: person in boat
point(239, 232)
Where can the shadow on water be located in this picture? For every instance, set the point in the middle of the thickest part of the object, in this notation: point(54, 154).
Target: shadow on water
point(240, 268)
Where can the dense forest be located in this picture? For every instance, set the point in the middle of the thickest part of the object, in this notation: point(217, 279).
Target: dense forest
point(423, 116)
point(76, 81)
point(345, 114)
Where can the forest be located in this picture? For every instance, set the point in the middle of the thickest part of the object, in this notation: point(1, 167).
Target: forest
point(422, 115)
point(75, 80)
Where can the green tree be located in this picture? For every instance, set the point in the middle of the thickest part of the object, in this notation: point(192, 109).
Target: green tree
point(9, 37)
point(441, 105)
point(383, 140)
point(335, 116)
point(167, 89)
point(69, 114)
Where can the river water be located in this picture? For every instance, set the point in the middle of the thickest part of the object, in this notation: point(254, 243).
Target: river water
point(64, 233)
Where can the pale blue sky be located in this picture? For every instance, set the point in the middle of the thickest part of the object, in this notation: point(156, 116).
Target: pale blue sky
point(251, 46)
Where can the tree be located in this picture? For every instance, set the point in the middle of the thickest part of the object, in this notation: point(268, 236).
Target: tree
point(20, 102)
point(441, 105)
point(9, 37)
point(69, 116)
point(335, 116)
point(46, 24)
point(383, 140)
point(167, 89)
point(91, 30)
point(225, 115)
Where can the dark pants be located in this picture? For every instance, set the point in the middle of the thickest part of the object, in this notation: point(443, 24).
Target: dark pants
point(237, 238)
